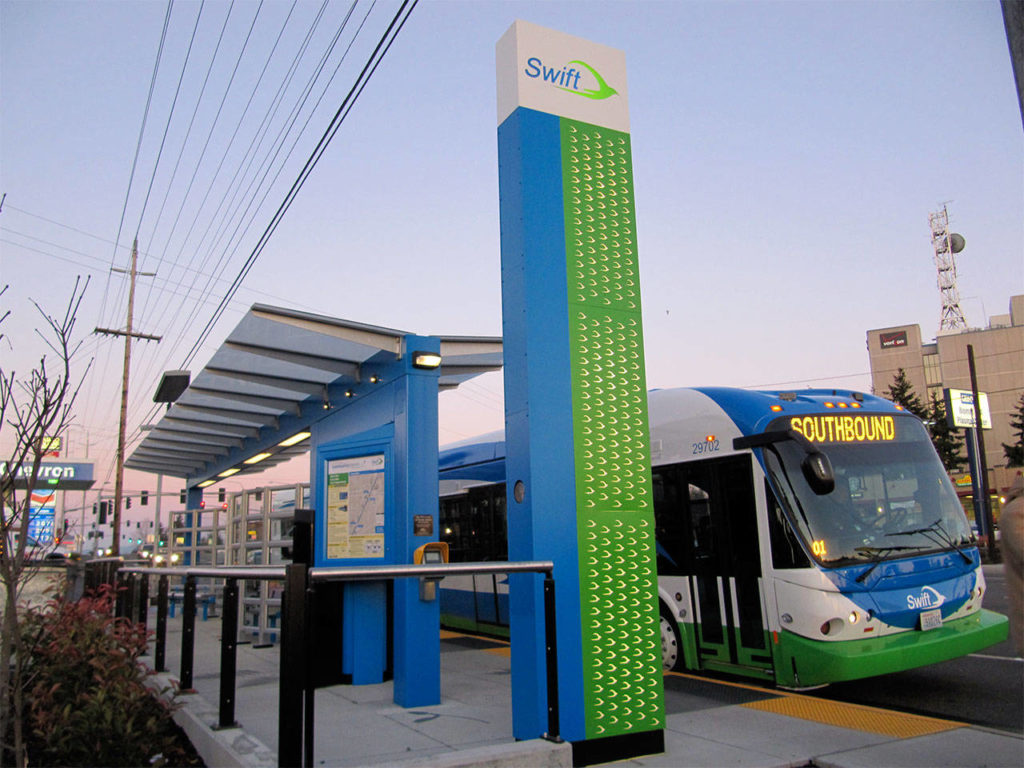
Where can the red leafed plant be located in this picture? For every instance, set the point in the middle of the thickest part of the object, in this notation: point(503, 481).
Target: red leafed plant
point(87, 699)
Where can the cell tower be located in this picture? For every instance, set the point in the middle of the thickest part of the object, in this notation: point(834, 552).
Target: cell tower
point(946, 244)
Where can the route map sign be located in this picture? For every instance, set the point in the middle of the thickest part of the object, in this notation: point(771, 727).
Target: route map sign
point(355, 507)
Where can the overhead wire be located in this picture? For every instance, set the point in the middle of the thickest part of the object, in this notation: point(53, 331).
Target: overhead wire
point(194, 266)
point(202, 205)
point(224, 155)
point(207, 285)
point(170, 117)
point(373, 61)
point(91, 399)
point(381, 49)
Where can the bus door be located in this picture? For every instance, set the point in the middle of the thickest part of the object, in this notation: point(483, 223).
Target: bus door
point(490, 544)
point(726, 563)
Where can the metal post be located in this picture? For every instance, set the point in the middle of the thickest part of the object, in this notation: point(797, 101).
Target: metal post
point(143, 600)
point(188, 633)
point(290, 724)
point(986, 507)
point(309, 703)
point(119, 590)
point(551, 658)
point(228, 655)
point(159, 653)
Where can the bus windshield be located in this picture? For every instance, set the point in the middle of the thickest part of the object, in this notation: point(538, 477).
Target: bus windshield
point(892, 496)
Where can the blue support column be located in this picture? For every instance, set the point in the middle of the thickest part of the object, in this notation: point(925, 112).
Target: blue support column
point(417, 640)
point(538, 408)
point(364, 641)
point(399, 422)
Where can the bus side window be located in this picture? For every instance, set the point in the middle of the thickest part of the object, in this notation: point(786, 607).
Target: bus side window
point(668, 521)
point(786, 549)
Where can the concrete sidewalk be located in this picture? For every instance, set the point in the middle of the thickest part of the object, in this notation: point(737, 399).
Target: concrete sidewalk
point(708, 723)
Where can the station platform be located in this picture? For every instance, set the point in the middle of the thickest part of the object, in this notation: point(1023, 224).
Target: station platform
point(709, 723)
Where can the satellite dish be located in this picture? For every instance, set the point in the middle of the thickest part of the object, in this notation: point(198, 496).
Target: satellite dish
point(956, 242)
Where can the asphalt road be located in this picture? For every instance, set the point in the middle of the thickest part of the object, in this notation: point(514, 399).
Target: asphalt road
point(985, 688)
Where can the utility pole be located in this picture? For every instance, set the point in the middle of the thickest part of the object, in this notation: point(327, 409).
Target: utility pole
point(128, 336)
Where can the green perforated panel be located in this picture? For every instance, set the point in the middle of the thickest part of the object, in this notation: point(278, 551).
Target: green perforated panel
point(618, 579)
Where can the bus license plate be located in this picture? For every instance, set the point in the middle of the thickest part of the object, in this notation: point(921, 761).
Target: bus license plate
point(931, 619)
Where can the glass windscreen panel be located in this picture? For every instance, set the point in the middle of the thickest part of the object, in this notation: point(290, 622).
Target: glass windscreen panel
point(892, 496)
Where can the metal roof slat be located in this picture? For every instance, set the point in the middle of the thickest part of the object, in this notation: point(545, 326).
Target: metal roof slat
point(262, 419)
point(293, 407)
point(277, 382)
point(240, 430)
point(198, 437)
point(320, 362)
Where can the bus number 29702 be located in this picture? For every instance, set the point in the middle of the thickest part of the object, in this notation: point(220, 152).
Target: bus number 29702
point(706, 446)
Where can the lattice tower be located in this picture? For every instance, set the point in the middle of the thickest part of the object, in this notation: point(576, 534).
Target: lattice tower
point(945, 268)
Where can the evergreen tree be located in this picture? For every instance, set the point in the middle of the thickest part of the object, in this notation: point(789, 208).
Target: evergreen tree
point(1015, 452)
point(901, 392)
point(948, 441)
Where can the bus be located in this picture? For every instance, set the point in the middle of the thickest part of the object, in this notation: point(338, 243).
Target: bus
point(803, 538)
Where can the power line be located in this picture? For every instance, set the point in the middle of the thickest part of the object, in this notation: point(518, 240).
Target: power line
point(381, 49)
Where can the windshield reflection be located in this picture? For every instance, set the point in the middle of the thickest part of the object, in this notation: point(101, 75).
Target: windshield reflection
point(891, 499)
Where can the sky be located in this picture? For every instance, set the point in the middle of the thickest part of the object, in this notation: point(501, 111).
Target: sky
point(786, 156)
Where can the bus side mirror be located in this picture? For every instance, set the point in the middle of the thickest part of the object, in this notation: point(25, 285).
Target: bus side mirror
point(818, 473)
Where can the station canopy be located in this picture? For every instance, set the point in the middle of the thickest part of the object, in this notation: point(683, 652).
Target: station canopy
point(273, 377)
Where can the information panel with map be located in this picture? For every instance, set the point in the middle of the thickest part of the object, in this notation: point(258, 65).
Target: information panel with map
point(355, 507)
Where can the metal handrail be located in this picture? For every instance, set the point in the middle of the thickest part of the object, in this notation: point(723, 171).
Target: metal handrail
point(295, 690)
point(254, 572)
point(438, 571)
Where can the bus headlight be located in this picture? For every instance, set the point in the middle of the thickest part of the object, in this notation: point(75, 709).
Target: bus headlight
point(854, 617)
point(831, 626)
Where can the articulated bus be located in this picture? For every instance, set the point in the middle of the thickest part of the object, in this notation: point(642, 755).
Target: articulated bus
point(803, 538)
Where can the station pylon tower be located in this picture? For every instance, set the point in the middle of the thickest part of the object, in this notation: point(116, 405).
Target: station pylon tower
point(946, 245)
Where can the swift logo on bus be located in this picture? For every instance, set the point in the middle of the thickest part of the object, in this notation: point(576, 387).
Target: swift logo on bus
point(568, 78)
point(929, 598)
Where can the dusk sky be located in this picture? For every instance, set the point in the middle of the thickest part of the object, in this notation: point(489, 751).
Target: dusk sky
point(786, 157)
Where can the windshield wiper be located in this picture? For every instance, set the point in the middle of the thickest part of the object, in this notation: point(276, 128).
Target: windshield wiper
point(881, 555)
point(935, 533)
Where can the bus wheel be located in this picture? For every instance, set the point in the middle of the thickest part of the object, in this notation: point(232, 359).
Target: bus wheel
point(671, 644)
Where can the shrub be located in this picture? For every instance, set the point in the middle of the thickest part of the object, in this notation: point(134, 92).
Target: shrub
point(87, 699)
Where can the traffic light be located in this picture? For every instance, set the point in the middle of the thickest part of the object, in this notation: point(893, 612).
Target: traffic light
point(103, 512)
point(144, 498)
point(221, 497)
point(127, 502)
point(181, 497)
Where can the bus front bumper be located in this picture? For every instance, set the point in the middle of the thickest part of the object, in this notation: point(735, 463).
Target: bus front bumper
point(800, 662)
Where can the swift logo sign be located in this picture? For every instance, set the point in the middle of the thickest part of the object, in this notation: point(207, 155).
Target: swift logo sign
point(929, 598)
point(568, 78)
point(539, 68)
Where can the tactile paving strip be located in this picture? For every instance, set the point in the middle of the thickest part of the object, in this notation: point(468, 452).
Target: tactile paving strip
point(854, 716)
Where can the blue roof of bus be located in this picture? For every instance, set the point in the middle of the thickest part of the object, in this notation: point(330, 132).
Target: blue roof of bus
point(749, 409)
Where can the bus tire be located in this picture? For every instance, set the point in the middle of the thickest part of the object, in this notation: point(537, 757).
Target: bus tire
point(671, 642)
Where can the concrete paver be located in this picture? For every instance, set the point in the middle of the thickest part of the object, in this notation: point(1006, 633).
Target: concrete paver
point(707, 725)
